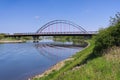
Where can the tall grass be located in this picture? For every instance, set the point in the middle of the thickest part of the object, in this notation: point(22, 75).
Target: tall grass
point(113, 54)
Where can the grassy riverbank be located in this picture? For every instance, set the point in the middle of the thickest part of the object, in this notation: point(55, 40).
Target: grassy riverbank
point(4, 39)
point(85, 67)
point(9, 40)
point(101, 68)
point(77, 60)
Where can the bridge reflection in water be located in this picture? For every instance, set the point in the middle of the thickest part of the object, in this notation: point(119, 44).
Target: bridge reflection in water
point(53, 51)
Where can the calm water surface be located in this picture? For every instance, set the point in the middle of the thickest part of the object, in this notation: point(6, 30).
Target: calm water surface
point(24, 60)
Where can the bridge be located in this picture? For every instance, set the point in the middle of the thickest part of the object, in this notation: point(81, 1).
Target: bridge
point(90, 33)
point(57, 28)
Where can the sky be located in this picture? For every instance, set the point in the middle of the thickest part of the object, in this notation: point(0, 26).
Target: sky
point(19, 16)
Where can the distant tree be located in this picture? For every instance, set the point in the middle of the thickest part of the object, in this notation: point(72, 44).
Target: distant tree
point(115, 20)
point(26, 38)
point(1, 36)
point(74, 39)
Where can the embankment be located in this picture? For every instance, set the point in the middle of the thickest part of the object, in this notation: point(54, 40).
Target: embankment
point(66, 65)
point(84, 66)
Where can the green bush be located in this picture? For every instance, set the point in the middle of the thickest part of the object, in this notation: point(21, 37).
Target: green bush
point(107, 38)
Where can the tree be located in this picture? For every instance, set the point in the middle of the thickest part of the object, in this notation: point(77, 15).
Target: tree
point(115, 20)
point(108, 37)
point(1, 36)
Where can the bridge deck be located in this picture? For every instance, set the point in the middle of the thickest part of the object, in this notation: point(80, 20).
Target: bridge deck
point(54, 34)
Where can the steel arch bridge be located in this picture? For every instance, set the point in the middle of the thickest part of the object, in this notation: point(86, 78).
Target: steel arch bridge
point(61, 23)
point(46, 30)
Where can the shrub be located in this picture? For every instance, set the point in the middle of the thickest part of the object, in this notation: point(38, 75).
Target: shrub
point(107, 38)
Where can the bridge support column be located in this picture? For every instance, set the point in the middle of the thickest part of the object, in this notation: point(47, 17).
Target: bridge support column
point(35, 39)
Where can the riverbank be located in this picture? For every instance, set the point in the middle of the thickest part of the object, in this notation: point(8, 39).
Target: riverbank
point(11, 41)
point(85, 66)
point(63, 65)
point(99, 68)
point(55, 67)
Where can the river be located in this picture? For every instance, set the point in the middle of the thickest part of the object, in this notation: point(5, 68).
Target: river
point(19, 61)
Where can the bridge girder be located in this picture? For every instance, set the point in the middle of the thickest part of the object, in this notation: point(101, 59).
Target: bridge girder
point(61, 21)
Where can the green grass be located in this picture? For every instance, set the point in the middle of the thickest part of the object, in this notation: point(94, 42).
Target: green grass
point(105, 67)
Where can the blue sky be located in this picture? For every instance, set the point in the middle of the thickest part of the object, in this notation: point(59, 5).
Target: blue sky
point(30, 15)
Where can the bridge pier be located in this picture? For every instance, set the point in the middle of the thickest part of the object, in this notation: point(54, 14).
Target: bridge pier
point(35, 39)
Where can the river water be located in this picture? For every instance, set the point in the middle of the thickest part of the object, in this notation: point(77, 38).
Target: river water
point(19, 61)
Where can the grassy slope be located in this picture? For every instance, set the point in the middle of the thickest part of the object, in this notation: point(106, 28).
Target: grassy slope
point(101, 68)
point(106, 67)
point(78, 59)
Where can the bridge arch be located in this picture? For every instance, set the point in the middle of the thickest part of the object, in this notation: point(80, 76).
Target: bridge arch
point(59, 22)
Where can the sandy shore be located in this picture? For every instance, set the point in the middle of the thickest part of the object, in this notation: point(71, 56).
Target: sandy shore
point(56, 67)
point(11, 41)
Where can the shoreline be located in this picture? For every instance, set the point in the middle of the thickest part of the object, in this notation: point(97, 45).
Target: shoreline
point(56, 67)
point(11, 41)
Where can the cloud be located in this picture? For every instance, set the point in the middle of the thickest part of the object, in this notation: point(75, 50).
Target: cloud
point(37, 17)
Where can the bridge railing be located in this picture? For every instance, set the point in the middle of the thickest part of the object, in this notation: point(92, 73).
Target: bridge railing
point(89, 32)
